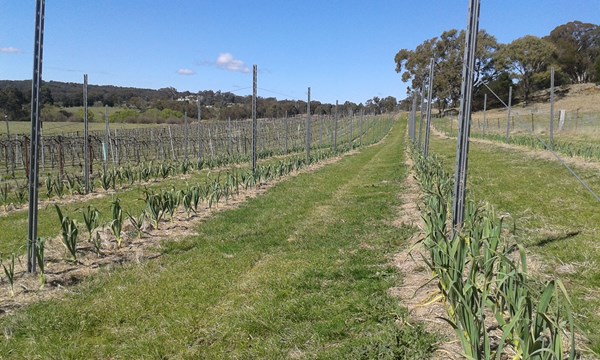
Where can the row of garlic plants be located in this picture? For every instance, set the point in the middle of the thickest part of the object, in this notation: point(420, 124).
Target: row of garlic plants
point(115, 178)
point(565, 145)
point(161, 205)
point(583, 149)
point(15, 193)
point(495, 307)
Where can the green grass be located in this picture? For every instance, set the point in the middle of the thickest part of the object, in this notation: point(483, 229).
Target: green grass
point(61, 128)
point(301, 272)
point(553, 214)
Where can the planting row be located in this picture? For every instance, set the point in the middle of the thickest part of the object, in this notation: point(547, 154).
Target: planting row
point(112, 178)
point(65, 154)
point(495, 307)
point(581, 145)
point(160, 206)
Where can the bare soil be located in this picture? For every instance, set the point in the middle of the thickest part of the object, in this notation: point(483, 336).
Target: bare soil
point(418, 292)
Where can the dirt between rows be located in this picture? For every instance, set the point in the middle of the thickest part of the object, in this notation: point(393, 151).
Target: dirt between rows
point(62, 276)
point(418, 293)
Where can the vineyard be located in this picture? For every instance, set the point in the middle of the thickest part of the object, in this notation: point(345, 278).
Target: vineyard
point(276, 269)
point(220, 171)
point(171, 224)
point(117, 154)
point(506, 258)
point(63, 155)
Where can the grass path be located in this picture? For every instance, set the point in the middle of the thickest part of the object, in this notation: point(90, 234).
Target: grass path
point(301, 272)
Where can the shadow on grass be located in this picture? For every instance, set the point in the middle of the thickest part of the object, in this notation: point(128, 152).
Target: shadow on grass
point(555, 238)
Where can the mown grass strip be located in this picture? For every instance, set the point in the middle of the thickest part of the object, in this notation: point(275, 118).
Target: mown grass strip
point(300, 272)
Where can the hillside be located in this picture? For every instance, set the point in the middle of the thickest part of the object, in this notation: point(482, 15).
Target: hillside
point(582, 98)
point(15, 98)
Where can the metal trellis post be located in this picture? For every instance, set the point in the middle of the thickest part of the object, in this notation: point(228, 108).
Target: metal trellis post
point(35, 129)
point(428, 114)
point(254, 122)
point(551, 106)
point(86, 145)
point(308, 119)
point(462, 145)
point(508, 114)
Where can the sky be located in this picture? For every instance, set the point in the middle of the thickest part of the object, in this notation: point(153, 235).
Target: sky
point(342, 50)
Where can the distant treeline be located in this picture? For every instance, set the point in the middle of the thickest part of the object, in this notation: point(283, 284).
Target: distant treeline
point(166, 104)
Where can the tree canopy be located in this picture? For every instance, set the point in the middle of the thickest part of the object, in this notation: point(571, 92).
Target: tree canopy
point(577, 49)
point(523, 58)
point(447, 53)
point(573, 49)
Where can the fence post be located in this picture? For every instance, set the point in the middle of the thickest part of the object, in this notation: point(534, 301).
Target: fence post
point(485, 124)
point(421, 116)
point(198, 99)
point(287, 132)
point(171, 140)
point(361, 126)
point(413, 119)
point(186, 135)
point(107, 137)
point(11, 152)
point(320, 131)
point(42, 146)
point(335, 126)
point(229, 136)
point(351, 130)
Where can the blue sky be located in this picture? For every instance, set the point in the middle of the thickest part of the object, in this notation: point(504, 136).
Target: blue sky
point(343, 50)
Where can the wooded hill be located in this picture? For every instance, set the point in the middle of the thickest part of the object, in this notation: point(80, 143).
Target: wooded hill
point(166, 104)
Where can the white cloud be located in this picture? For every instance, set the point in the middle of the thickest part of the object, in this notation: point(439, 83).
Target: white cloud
point(226, 61)
point(10, 50)
point(186, 72)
